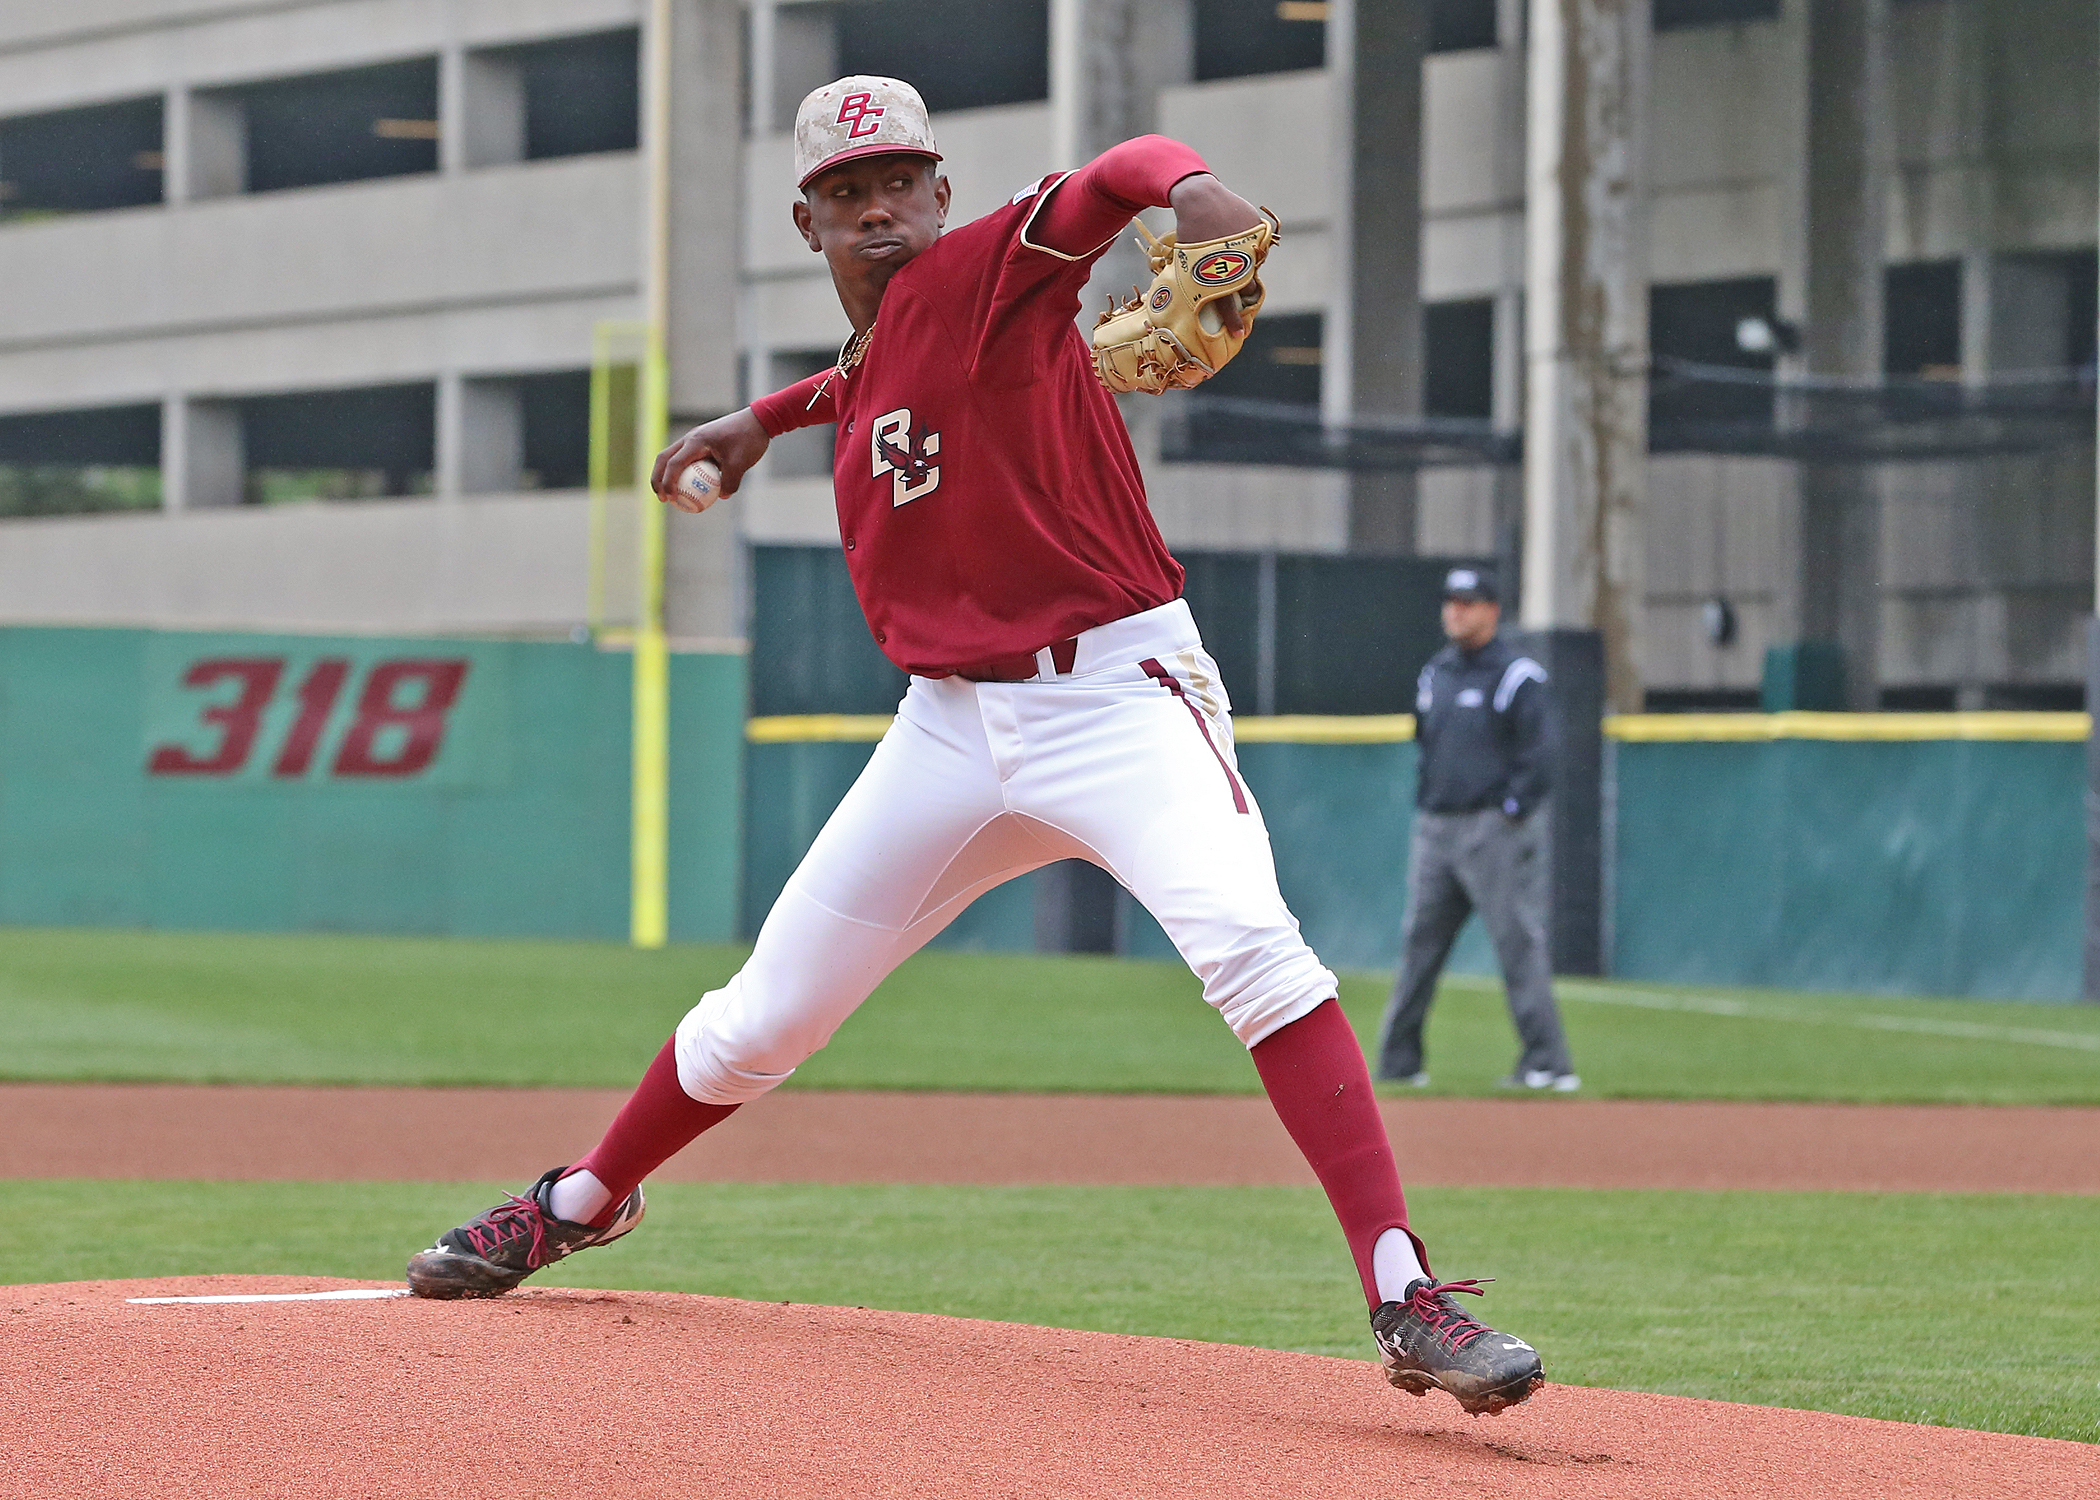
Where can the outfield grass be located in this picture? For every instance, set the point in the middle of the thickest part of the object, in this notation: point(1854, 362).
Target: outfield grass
point(1954, 1310)
point(100, 1004)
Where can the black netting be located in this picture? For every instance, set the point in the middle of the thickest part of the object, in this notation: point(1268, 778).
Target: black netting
point(1696, 408)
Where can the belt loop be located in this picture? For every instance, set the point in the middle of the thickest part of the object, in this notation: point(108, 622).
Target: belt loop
point(1045, 665)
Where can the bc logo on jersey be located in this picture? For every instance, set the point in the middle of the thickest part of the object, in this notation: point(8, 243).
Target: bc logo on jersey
point(909, 464)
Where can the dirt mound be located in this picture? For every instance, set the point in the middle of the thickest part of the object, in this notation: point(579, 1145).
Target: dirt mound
point(653, 1394)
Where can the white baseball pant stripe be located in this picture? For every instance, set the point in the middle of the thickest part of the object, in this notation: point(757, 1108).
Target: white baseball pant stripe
point(1126, 761)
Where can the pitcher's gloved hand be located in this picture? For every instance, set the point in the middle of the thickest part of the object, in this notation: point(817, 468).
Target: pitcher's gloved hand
point(1177, 333)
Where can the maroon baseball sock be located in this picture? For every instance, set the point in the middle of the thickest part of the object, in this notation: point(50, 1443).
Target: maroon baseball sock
point(1315, 1074)
point(660, 1120)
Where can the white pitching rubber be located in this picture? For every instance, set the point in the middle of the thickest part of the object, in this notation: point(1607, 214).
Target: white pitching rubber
point(361, 1294)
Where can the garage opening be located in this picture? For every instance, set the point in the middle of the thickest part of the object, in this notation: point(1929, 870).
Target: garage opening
point(77, 462)
point(79, 160)
point(339, 445)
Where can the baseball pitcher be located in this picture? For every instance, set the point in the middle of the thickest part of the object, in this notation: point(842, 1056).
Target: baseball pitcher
point(1061, 704)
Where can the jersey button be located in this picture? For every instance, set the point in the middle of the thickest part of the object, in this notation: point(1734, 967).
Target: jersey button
point(849, 544)
point(881, 639)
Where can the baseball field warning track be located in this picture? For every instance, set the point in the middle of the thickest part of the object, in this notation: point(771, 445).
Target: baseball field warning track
point(175, 1131)
point(615, 1394)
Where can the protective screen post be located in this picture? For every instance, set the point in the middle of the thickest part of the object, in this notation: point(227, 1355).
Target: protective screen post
point(652, 669)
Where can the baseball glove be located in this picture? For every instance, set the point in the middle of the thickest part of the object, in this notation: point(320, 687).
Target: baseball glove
point(1170, 336)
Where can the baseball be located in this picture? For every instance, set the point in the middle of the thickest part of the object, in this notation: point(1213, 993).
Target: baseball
point(701, 482)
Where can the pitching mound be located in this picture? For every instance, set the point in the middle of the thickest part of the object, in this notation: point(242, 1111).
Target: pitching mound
point(652, 1394)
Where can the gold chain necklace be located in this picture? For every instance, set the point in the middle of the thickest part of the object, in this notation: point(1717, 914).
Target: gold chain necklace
point(850, 354)
point(852, 351)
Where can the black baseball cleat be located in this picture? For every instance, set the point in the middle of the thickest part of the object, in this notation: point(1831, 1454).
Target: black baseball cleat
point(1424, 1340)
point(494, 1251)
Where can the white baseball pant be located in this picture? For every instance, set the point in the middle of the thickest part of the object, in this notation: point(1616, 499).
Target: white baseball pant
point(1126, 760)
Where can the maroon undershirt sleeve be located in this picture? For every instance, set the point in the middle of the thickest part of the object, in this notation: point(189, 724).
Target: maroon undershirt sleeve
point(806, 403)
point(1090, 207)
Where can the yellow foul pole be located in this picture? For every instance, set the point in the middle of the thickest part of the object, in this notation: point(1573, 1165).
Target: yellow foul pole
point(650, 905)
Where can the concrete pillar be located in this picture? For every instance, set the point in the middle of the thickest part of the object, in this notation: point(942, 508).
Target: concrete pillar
point(1507, 407)
point(481, 109)
point(703, 595)
point(202, 459)
point(1373, 360)
point(1108, 61)
point(175, 131)
point(2016, 313)
point(795, 48)
point(1586, 329)
point(1844, 192)
point(480, 437)
point(206, 142)
point(1507, 410)
point(1969, 60)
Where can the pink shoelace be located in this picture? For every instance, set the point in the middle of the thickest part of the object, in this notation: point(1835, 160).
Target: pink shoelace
point(1447, 1322)
point(498, 1225)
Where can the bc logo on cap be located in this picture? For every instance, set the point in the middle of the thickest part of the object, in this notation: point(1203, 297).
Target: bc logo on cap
point(862, 113)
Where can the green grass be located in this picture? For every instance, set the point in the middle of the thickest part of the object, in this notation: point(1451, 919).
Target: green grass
point(1963, 1311)
point(320, 1009)
point(323, 1009)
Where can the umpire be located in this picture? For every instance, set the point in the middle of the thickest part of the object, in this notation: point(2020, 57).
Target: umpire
point(1485, 733)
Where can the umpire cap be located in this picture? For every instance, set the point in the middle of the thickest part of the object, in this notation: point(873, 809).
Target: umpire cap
point(1470, 584)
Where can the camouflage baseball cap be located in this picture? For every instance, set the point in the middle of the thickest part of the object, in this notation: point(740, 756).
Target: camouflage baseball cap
point(859, 116)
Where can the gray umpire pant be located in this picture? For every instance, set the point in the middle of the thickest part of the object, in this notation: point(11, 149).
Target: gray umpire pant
point(1459, 863)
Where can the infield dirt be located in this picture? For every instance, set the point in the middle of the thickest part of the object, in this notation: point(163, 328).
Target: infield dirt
point(185, 1131)
point(618, 1394)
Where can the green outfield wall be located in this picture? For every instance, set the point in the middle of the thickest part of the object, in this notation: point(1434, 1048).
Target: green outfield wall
point(361, 784)
point(473, 787)
point(1888, 853)
point(1880, 853)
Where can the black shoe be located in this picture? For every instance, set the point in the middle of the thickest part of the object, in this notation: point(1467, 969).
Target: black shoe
point(494, 1251)
point(1424, 1340)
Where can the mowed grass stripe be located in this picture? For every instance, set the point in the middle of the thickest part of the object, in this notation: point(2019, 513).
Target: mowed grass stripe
point(191, 1007)
point(1963, 1311)
point(1865, 1020)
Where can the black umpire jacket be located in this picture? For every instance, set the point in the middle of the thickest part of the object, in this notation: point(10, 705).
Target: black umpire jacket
point(1485, 731)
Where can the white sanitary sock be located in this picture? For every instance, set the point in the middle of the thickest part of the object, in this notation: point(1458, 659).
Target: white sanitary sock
point(580, 1197)
point(1394, 1265)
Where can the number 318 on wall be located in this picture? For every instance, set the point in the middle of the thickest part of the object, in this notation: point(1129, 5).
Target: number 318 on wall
point(368, 747)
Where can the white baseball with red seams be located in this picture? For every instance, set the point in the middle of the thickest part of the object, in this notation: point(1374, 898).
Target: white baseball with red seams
point(701, 482)
point(1126, 761)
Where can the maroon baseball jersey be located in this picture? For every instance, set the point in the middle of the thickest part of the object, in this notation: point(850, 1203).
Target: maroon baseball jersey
point(989, 500)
